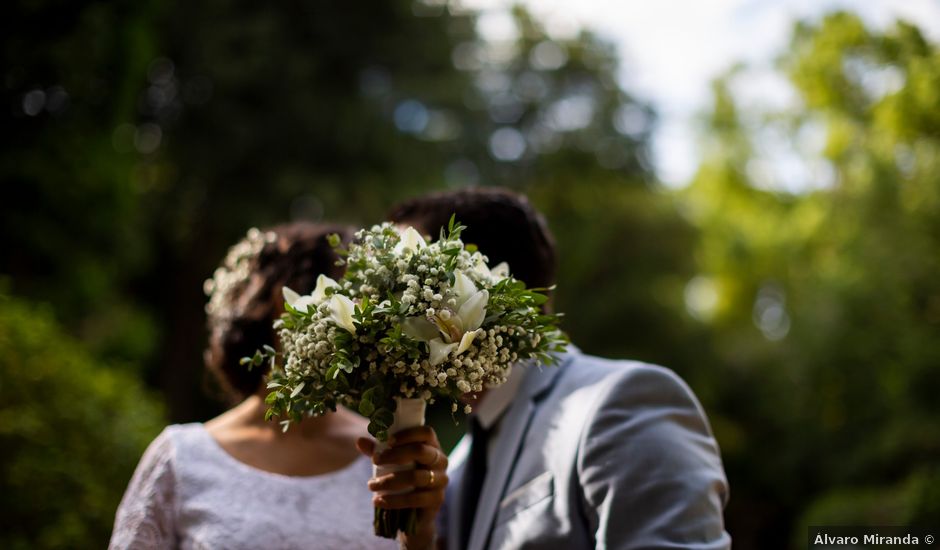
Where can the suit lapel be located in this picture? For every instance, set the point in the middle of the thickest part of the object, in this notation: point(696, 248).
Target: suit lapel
point(512, 430)
point(508, 443)
point(453, 501)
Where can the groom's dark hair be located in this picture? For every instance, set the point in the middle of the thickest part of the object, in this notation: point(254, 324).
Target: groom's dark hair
point(502, 223)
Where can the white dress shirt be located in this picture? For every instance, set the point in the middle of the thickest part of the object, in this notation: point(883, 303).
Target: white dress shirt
point(489, 410)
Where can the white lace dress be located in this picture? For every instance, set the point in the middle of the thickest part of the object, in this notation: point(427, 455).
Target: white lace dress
point(188, 492)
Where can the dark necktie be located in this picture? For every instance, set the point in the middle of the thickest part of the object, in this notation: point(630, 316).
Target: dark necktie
point(473, 475)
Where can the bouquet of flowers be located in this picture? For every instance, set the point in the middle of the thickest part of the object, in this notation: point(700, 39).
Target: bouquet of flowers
point(408, 323)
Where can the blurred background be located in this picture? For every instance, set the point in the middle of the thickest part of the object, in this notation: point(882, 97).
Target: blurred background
point(745, 191)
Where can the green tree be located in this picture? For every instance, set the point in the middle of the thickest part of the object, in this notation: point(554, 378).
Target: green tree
point(266, 113)
point(71, 430)
point(69, 215)
point(302, 110)
point(557, 125)
point(826, 302)
point(188, 123)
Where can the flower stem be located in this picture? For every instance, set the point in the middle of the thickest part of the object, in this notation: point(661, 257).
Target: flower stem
point(388, 523)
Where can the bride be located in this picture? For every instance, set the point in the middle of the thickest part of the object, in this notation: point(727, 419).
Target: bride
point(238, 481)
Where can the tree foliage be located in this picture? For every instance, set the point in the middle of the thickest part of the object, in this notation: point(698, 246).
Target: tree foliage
point(142, 138)
point(204, 119)
point(71, 430)
point(827, 310)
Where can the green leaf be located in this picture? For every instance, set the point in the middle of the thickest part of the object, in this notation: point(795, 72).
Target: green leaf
point(538, 299)
point(331, 372)
point(366, 408)
point(384, 417)
point(345, 365)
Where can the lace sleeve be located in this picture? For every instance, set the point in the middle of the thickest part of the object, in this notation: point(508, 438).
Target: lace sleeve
point(146, 517)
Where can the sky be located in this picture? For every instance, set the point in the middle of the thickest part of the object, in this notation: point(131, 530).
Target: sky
point(671, 50)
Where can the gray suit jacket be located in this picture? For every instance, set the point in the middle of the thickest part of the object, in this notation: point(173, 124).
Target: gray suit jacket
point(596, 453)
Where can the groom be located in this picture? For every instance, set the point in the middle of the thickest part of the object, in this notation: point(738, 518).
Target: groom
point(591, 453)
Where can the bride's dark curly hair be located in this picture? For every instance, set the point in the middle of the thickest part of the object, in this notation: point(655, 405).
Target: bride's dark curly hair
point(292, 255)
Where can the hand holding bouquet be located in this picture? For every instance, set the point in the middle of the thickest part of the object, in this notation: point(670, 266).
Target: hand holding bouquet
point(409, 322)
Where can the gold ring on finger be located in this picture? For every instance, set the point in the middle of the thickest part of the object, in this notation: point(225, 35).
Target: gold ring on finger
point(430, 478)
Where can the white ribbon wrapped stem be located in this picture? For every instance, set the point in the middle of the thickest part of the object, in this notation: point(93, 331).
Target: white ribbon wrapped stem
point(409, 413)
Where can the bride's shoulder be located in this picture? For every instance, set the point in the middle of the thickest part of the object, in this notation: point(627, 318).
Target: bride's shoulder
point(178, 432)
point(174, 439)
point(161, 454)
point(172, 434)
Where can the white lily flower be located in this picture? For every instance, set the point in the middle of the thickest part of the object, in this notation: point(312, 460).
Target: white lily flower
point(410, 240)
point(466, 340)
point(463, 288)
point(473, 311)
point(290, 296)
point(302, 303)
point(323, 283)
point(501, 271)
point(455, 334)
point(439, 351)
point(296, 301)
point(341, 312)
point(479, 266)
point(420, 329)
point(498, 273)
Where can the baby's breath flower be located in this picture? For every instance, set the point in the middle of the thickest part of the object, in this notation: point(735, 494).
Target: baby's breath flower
point(232, 276)
point(416, 333)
